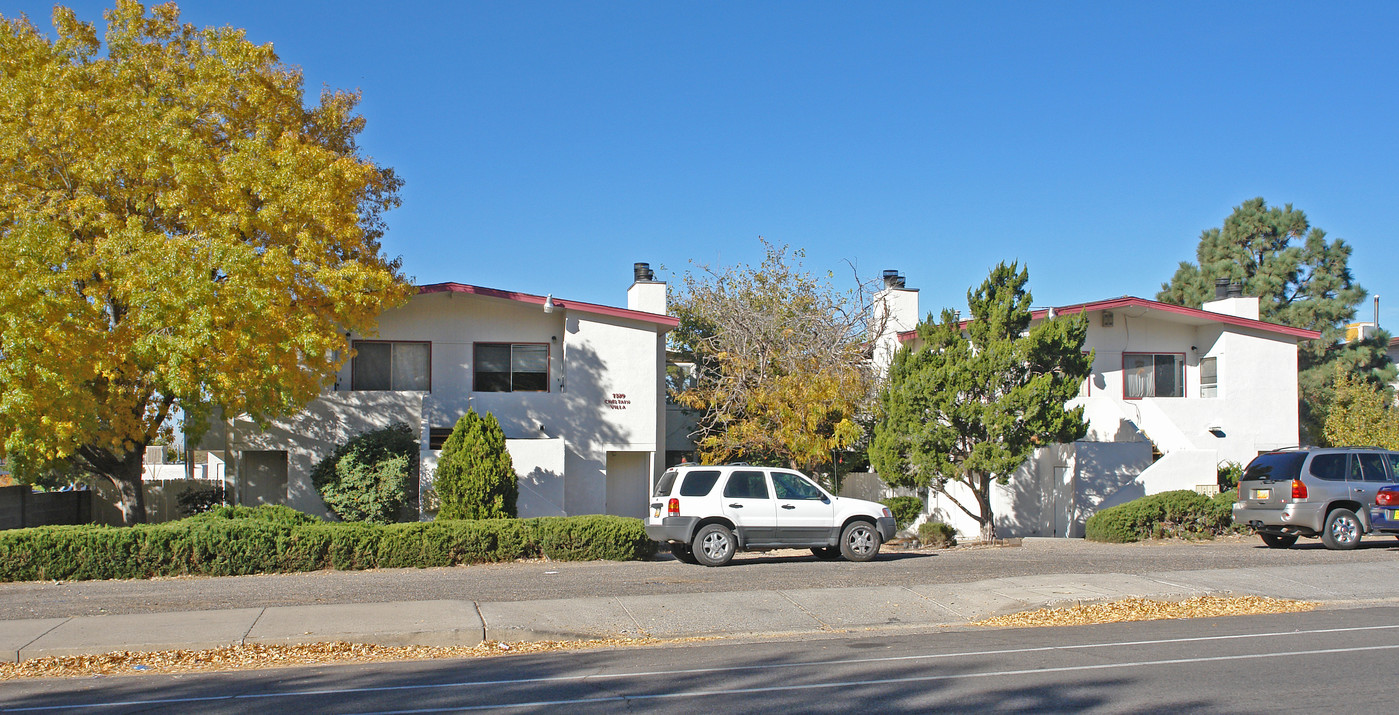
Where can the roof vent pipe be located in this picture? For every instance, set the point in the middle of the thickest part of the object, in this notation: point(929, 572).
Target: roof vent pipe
point(642, 273)
point(1221, 288)
point(892, 279)
point(1236, 290)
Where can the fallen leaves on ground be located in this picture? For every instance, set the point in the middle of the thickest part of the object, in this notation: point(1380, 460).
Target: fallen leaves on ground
point(252, 655)
point(1146, 609)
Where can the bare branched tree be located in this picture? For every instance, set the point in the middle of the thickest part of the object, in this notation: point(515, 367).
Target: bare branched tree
point(782, 369)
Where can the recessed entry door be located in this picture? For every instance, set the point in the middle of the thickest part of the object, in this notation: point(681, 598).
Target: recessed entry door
point(264, 477)
point(627, 483)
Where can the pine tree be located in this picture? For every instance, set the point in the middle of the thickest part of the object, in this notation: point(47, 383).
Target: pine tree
point(475, 477)
point(1301, 279)
point(970, 407)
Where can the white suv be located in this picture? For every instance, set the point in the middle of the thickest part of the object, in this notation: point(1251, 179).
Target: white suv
point(707, 513)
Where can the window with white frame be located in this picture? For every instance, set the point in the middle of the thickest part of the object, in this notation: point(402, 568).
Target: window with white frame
point(1209, 377)
point(391, 365)
point(511, 367)
point(1153, 375)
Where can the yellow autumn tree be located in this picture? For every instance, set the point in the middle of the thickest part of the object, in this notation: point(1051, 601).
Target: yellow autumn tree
point(781, 371)
point(181, 231)
point(1362, 414)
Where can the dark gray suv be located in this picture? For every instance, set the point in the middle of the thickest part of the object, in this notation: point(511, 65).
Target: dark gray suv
point(1321, 492)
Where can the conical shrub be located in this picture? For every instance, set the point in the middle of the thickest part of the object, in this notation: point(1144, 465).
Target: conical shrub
point(475, 477)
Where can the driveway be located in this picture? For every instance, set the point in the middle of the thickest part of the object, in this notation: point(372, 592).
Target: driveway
point(787, 570)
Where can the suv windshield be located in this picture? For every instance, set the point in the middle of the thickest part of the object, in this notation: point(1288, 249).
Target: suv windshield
point(1276, 466)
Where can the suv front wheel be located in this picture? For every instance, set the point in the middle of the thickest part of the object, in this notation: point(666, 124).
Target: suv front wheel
point(859, 541)
point(1342, 530)
point(714, 545)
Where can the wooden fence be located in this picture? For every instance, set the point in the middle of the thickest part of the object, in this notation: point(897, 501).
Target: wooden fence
point(21, 507)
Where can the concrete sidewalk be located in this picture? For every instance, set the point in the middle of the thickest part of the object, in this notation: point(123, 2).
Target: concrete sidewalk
point(746, 613)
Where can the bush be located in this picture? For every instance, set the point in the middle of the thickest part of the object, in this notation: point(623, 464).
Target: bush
point(906, 510)
point(936, 533)
point(475, 477)
point(199, 499)
point(1180, 514)
point(228, 541)
point(367, 478)
point(1229, 474)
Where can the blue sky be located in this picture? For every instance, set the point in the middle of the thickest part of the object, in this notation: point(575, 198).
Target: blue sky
point(548, 145)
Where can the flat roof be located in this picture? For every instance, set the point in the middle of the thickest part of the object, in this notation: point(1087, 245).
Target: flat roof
point(666, 321)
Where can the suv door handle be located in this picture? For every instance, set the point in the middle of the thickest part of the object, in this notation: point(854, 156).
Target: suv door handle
point(735, 506)
point(788, 506)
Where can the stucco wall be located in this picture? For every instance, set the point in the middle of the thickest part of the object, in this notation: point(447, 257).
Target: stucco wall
point(606, 388)
point(315, 432)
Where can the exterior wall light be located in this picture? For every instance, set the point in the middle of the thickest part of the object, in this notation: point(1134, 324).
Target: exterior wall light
point(549, 303)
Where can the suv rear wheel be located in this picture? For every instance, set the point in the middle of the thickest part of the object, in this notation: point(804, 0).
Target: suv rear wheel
point(859, 541)
point(714, 545)
point(1342, 530)
point(1279, 541)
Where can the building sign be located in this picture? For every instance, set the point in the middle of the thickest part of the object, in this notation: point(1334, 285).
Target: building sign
point(618, 401)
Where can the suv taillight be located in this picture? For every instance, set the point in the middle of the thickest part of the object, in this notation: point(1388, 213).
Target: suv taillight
point(673, 508)
point(1387, 498)
point(1299, 490)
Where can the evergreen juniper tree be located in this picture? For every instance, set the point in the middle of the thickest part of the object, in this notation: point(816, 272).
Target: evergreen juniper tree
point(971, 408)
point(475, 477)
point(1301, 279)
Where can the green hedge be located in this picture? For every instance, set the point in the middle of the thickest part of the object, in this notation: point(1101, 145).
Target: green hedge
point(1183, 514)
point(230, 541)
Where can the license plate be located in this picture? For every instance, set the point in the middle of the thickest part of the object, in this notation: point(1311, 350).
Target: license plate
point(1394, 514)
point(1262, 493)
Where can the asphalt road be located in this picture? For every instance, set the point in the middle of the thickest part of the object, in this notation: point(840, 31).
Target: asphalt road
point(545, 580)
point(1306, 662)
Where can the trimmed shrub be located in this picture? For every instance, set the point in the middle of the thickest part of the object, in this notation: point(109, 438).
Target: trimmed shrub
point(906, 510)
point(1177, 514)
point(475, 478)
point(199, 499)
point(367, 478)
point(272, 513)
point(229, 541)
point(936, 533)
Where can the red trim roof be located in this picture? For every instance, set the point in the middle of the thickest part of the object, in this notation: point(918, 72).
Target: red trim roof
point(665, 321)
point(1128, 301)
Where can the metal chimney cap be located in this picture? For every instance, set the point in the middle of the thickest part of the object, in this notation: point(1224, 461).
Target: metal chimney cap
point(642, 273)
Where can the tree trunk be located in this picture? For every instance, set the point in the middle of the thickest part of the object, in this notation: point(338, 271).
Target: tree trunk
point(125, 475)
point(983, 501)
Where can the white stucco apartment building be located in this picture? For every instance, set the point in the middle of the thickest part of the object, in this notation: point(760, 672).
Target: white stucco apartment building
point(578, 388)
point(1174, 391)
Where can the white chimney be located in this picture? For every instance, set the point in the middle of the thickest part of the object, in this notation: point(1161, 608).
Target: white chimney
point(895, 311)
point(1245, 307)
point(646, 294)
